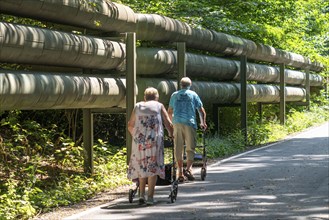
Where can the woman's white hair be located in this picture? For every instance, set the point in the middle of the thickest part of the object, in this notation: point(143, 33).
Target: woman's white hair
point(151, 94)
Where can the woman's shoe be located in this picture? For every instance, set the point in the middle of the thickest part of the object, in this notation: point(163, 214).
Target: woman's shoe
point(141, 201)
point(150, 201)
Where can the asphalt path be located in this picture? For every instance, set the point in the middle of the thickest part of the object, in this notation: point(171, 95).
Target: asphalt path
point(285, 180)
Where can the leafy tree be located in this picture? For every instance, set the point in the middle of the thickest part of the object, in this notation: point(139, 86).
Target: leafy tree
point(293, 25)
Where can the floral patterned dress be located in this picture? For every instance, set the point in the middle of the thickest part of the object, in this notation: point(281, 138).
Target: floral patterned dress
point(147, 154)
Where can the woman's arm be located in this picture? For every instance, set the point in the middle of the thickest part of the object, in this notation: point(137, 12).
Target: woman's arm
point(131, 122)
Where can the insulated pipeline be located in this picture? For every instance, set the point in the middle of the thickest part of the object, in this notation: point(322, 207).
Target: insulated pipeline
point(107, 16)
point(35, 90)
point(223, 93)
point(31, 45)
point(159, 61)
point(87, 14)
point(32, 90)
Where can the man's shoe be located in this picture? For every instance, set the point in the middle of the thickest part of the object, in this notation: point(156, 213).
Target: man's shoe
point(182, 179)
point(189, 175)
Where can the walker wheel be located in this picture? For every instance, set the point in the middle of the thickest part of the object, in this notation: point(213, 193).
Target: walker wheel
point(203, 173)
point(173, 193)
point(131, 195)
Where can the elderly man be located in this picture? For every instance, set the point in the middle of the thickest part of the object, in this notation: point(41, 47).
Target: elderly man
point(182, 111)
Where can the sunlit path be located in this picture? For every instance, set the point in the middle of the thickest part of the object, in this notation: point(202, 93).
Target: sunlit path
point(286, 180)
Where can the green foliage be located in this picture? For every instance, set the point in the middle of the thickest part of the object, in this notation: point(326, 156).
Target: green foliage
point(113, 172)
point(224, 146)
point(296, 121)
point(257, 135)
point(15, 200)
point(69, 189)
point(229, 120)
point(41, 168)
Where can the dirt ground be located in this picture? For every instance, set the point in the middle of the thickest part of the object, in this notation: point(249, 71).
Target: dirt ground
point(101, 198)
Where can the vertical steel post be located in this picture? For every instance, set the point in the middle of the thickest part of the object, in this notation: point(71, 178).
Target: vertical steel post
point(88, 136)
point(243, 81)
point(130, 84)
point(88, 141)
point(282, 95)
point(181, 50)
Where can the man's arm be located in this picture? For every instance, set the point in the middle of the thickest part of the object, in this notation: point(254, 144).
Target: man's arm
point(202, 115)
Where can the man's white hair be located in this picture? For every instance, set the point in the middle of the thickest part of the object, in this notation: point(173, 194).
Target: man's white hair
point(185, 82)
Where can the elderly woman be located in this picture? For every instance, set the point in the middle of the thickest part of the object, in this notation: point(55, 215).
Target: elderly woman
point(147, 152)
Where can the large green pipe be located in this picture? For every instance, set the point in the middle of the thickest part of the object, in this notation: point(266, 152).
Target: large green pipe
point(158, 61)
point(35, 90)
point(32, 90)
point(31, 45)
point(80, 13)
point(223, 93)
point(107, 16)
point(26, 44)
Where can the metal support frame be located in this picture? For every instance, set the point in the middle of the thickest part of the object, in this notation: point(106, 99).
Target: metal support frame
point(88, 136)
point(130, 84)
point(243, 100)
point(282, 95)
point(88, 131)
point(243, 94)
point(283, 101)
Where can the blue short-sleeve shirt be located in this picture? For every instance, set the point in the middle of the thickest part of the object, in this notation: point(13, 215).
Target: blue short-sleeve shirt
point(184, 103)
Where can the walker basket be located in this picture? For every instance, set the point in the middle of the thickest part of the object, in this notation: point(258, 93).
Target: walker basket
point(168, 176)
